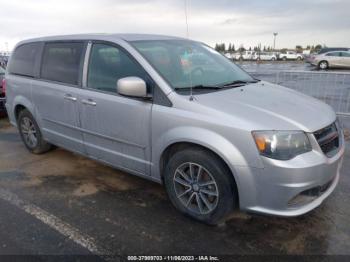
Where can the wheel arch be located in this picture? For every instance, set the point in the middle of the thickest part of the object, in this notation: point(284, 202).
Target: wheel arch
point(178, 146)
point(19, 104)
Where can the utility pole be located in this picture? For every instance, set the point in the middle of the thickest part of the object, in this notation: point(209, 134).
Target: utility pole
point(274, 41)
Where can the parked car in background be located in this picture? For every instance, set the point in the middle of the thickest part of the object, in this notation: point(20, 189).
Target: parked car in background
point(290, 55)
point(311, 57)
point(334, 59)
point(265, 56)
point(245, 55)
point(329, 49)
point(2, 92)
point(3, 61)
point(229, 55)
point(217, 138)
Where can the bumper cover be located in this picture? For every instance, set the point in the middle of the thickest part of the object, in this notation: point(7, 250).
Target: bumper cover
point(272, 190)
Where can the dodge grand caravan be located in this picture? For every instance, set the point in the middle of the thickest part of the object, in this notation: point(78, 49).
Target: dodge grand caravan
point(177, 112)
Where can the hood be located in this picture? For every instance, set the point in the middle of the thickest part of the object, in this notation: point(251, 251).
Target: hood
point(265, 106)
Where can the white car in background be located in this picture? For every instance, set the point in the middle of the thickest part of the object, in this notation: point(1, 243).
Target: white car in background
point(266, 56)
point(290, 55)
point(229, 55)
point(245, 55)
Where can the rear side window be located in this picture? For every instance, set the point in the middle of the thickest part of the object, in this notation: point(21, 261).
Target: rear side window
point(345, 54)
point(61, 62)
point(23, 59)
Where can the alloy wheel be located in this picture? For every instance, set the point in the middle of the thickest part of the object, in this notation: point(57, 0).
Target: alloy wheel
point(323, 65)
point(196, 188)
point(28, 131)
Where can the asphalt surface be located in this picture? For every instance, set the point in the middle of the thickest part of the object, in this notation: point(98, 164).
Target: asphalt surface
point(61, 203)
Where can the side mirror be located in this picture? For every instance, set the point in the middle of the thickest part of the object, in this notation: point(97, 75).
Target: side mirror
point(132, 86)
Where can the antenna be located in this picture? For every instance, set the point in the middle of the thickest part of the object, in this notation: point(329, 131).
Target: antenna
point(187, 36)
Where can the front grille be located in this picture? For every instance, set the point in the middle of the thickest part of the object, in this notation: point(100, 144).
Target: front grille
point(328, 139)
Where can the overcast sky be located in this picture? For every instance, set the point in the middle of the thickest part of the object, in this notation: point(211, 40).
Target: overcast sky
point(297, 22)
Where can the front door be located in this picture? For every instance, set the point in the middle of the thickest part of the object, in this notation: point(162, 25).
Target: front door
point(116, 129)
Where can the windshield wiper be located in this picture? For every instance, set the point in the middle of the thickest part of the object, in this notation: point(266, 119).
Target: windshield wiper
point(198, 87)
point(235, 83)
point(240, 83)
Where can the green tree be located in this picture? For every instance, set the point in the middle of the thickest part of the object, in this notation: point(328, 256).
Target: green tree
point(318, 47)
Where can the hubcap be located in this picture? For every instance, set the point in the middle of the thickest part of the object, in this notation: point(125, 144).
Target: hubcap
point(29, 132)
point(323, 65)
point(196, 188)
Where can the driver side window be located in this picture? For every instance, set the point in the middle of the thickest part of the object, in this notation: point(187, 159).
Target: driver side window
point(107, 65)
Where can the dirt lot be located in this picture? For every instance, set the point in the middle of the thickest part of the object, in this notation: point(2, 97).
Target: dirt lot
point(62, 203)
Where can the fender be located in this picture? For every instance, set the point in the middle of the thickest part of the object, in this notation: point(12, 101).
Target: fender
point(21, 100)
point(200, 136)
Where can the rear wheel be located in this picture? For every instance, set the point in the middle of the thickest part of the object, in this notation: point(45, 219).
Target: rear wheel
point(323, 65)
point(31, 134)
point(199, 185)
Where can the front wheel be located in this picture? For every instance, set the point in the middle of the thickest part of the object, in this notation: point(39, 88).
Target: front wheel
point(323, 65)
point(31, 134)
point(199, 185)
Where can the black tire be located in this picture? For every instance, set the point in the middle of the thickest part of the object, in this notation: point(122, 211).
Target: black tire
point(299, 58)
point(226, 188)
point(323, 65)
point(41, 146)
point(284, 58)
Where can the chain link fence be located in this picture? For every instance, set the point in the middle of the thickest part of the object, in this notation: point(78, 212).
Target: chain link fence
point(332, 88)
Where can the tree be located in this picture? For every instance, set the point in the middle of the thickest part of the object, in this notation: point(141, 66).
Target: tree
point(318, 47)
point(233, 48)
point(241, 49)
point(299, 48)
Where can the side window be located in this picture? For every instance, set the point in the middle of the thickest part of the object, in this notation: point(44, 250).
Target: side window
point(333, 54)
point(23, 59)
point(61, 62)
point(108, 64)
point(345, 54)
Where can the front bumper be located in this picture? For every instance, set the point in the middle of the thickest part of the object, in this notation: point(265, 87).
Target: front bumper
point(290, 188)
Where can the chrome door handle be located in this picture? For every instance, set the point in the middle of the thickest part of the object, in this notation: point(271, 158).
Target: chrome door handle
point(70, 97)
point(88, 102)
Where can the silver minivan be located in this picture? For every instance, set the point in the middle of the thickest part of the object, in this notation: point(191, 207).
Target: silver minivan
point(179, 113)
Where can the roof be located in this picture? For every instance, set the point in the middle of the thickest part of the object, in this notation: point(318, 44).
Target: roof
point(106, 37)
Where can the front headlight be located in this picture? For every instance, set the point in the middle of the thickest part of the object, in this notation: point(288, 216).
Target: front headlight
point(281, 145)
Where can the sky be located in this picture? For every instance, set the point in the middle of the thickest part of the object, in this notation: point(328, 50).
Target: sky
point(246, 23)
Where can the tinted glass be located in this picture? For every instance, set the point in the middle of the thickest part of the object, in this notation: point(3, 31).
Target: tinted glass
point(108, 64)
point(23, 59)
point(345, 54)
point(61, 62)
point(333, 54)
point(185, 63)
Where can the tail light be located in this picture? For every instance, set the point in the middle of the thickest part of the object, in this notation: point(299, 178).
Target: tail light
point(3, 91)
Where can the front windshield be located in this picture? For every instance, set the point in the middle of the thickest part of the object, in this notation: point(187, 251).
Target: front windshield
point(186, 63)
